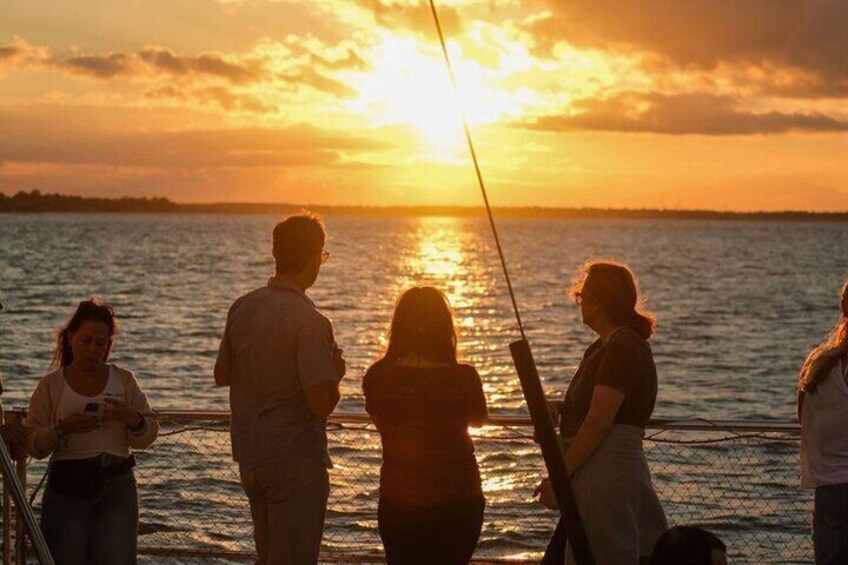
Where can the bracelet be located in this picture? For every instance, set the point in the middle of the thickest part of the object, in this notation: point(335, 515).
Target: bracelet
point(138, 425)
point(63, 435)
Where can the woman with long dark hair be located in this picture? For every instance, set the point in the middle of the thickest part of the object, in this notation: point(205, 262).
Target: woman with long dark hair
point(422, 401)
point(89, 414)
point(602, 422)
point(823, 413)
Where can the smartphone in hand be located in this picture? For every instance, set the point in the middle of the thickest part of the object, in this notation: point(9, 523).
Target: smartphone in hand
point(96, 409)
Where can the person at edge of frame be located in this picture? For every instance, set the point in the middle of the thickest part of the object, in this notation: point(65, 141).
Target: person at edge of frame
point(823, 414)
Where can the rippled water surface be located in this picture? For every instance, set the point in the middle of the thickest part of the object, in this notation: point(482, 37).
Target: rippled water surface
point(739, 303)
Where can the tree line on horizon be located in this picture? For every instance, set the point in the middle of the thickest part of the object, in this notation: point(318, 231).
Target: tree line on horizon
point(35, 201)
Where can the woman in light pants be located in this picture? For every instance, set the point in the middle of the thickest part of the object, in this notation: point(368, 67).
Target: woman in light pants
point(602, 421)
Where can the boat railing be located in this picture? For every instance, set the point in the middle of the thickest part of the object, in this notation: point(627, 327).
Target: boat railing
point(738, 478)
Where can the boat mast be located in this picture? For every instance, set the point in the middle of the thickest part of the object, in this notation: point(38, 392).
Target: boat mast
point(522, 356)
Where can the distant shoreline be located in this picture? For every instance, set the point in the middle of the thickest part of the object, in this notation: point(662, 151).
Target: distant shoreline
point(36, 202)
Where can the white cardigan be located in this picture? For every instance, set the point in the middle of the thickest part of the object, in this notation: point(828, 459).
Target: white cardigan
point(45, 399)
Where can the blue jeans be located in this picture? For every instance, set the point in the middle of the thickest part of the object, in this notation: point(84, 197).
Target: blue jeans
point(99, 531)
point(830, 525)
point(288, 501)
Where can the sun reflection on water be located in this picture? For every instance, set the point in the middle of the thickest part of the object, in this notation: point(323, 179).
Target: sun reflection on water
point(442, 255)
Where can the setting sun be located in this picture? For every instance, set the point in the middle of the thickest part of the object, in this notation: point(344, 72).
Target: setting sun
point(409, 86)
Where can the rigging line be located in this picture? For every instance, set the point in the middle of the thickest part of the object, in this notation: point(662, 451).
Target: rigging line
point(477, 169)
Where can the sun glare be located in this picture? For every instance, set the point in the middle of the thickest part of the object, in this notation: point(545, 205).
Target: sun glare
point(409, 85)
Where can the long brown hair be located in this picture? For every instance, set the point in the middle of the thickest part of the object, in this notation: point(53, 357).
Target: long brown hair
point(422, 325)
point(824, 357)
point(616, 288)
point(88, 311)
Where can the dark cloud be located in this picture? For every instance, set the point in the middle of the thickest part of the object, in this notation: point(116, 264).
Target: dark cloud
point(310, 66)
point(414, 17)
point(17, 51)
point(806, 35)
point(161, 60)
point(69, 140)
point(685, 114)
point(214, 65)
point(99, 66)
point(9, 52)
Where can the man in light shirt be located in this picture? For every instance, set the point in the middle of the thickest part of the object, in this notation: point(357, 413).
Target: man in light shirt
point(280, 360)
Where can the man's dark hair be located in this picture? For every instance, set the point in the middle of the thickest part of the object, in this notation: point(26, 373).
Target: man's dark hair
point(686, 545)
point(297, 239)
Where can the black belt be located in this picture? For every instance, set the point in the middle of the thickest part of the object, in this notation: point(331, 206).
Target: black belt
point(119, 469)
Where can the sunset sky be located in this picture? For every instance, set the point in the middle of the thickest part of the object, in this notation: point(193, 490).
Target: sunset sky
point(720, 104)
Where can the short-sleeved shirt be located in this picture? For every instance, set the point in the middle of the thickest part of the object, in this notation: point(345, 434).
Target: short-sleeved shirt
point(624, 363)
point(423, 415)
point(276, 345)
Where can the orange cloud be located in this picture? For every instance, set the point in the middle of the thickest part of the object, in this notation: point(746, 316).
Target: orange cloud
point(414, 16)
point(19, 51)
point(223, 97)
point(681, 114)
point(805, 35)
point(205, 64)
point(49, 135)
point(158, 60)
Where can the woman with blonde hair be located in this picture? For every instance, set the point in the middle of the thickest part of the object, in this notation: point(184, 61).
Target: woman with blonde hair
point(89, 414)
point(422, 401)
point(602, 422)
point(823, 413)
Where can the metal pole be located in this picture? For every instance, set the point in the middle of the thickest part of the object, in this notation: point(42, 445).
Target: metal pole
point(7, 525)
point(25, 510)
point(526, 366)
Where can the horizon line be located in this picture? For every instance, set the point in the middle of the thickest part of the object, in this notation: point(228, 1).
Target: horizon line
point(36, 201)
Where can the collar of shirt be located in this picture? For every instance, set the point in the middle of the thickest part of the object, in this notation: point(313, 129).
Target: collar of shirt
point(274, 282)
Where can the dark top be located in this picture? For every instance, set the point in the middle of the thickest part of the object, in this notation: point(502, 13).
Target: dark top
point(423, 416)
point(624, 363)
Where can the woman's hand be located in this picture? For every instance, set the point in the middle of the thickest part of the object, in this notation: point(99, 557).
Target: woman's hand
point(339, 362)
point(120, 411)
point(545, 492)
point(555, 409)
point(78, 423)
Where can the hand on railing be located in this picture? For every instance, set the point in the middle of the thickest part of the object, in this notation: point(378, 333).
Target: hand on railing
point(339, 362)
point(545, 492)
point(14, 435)
point(554, 409)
